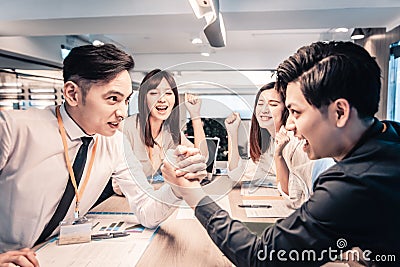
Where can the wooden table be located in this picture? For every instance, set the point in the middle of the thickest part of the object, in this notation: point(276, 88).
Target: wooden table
point(185, 242)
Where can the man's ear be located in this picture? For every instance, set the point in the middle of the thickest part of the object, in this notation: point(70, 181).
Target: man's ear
point(71, 93)
point(342, 109)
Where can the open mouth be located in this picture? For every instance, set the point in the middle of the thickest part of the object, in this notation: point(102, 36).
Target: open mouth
point(113, 124)
point(265, 118)
point(306, 145)
point(161, 108)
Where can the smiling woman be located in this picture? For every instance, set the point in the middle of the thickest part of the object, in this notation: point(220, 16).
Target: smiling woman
point(155, 129)
point(277, 157)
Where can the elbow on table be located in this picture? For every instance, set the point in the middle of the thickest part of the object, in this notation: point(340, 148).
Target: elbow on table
point(148, 221)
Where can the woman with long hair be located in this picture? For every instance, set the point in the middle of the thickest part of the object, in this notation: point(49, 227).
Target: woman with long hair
point(276, 157)
point(157, 126)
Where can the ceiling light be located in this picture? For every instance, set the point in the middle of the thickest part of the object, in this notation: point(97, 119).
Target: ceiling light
point(215, 28)
point(201, 7)
point(215, 32)
point(341, 30)
point(11, 91)
point(42, 97)
point(205, 54)
point(10, 84)
point(41, 90)
point(197, 41)
point(97, 43)
point(357, 34)
point(64, 51)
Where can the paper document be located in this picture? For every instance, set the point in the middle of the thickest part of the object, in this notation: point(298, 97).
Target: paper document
point(120, 251)
point(185, 212)
point(249, 189)
point(278, 209)
point(266, 181)
point(117, 222)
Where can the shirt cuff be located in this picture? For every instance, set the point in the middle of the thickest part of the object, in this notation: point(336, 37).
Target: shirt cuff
point(170, 195)
point(284, 195)
point(192, 196)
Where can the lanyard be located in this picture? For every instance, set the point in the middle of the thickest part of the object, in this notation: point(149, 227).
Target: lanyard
point(79, 193)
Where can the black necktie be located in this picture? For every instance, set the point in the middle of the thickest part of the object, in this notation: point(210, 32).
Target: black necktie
point(80, 161)
point(69, 193)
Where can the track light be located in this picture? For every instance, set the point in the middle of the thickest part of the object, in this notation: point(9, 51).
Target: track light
point(357, 34)
point(64, 51)
point(215, 28)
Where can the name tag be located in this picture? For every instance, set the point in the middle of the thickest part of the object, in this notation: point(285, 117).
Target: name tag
point(78, 231)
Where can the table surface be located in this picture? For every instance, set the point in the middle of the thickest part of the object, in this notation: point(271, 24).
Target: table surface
point(184, 242)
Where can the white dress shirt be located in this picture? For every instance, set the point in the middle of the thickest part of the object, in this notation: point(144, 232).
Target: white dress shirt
point(131, 129)
point(299, 165)
point(33, 175)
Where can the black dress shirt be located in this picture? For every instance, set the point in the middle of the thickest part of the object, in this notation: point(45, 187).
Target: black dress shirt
point(356, 203)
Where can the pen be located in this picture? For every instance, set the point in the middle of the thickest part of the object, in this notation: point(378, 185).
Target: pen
point(95, 225)
point(109, 235)
point(254, 206)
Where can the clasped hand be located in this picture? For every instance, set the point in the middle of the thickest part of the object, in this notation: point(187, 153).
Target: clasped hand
point(185, 168)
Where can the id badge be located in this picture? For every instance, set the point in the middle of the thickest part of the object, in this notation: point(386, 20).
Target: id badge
point(75, 232)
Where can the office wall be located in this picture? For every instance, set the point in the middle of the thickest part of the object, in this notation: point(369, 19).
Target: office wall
point(377, 44)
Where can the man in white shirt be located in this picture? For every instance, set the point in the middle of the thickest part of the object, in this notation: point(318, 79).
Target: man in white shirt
point(33, 164)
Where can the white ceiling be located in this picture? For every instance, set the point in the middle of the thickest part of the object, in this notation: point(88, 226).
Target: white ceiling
point(260, 33)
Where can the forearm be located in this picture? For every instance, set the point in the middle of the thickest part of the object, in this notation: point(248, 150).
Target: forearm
point(153, 207)
point(233, 152)
point(282, 173)
point(244, 248)
point(150, 206)
point(199, 136)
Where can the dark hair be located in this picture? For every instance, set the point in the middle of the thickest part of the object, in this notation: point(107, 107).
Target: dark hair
point(89, 64)
point(328, 71)
point(151, 81)
point(260, 137)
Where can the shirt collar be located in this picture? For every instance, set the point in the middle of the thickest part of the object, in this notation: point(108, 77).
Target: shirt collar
point(72, 129)
point(376, 128)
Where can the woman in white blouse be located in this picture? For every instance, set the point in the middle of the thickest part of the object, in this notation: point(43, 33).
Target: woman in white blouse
point(276, 157)
point(156, 128)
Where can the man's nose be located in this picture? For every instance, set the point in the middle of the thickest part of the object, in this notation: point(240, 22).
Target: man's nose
point(290, 126)
point(122, 111)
